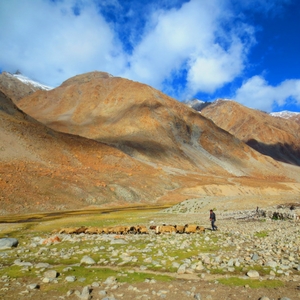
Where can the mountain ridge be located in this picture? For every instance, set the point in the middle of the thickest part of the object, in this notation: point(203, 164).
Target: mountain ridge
point(186, 157)
point(137, 119)
point(273, 136)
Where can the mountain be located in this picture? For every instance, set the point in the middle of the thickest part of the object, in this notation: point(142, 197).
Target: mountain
point(17, 86)
point(141, 121)
point(44, 170)
point(276, 137)
point(101, 140)
point(196, 104)
point(294, 116)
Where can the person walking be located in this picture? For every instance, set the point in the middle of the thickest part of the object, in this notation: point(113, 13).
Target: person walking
point(212, 217)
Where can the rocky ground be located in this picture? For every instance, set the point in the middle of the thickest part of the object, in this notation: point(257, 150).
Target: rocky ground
point(247, 258)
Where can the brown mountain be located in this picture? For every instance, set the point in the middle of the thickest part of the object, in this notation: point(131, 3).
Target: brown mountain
point(276, 137)
point(142, 122)
point(103, 140)
point(15, 89)
point(288, 115)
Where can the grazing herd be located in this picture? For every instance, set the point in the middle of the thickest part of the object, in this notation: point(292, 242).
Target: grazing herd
point(138, 229)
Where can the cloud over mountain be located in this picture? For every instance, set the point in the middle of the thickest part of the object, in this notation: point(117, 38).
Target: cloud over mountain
point(189, 39)
point(183, 48)
point(256, 92)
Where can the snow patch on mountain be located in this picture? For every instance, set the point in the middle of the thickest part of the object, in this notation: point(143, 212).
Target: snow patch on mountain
point(285, 114)
point(196, 104)
point(33, 83)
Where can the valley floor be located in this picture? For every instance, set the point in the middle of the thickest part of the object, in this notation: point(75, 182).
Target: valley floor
point(247, 258)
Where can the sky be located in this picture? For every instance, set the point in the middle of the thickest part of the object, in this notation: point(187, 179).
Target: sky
point(247, 51)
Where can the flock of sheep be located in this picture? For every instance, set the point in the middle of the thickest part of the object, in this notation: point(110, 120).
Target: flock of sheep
point(138, 229)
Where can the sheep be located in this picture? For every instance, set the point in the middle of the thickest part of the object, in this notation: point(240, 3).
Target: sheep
point(121, 229)
point(68, 230)
point(297, 216)
point(200, 229)
point(81, 229)
point(133, 229)
point(179, 228)
point(193, 228)
point(165, 229)
point(142, 229)
point(190, 228)
point(107, 230)
point(93, 230)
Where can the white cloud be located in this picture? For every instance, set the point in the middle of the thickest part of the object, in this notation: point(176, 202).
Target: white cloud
point(48, 42)
point(257, 93)
point(203, 41)
point(215, 67)
point(191, 37)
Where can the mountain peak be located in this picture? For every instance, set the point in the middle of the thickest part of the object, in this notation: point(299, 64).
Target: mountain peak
point(275, 137)
point(126, 143)
point(86, 77)
point(285, 114)
point(17, 86)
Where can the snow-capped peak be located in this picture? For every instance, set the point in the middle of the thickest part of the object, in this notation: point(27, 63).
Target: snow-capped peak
point(28, 81)
point(196, 104)
point(284, 114)
point(193, 102)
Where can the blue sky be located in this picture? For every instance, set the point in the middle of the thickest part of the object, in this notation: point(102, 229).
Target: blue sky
point(246, 50)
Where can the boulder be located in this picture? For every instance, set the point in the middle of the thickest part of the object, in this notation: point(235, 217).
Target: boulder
point(8, 243)
point(253, 274)
point(51, 274)
point(87, 260)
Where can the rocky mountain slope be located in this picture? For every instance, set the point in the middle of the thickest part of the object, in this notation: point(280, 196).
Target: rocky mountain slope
point(294, 116)
point(103, 140)
point(142, 122)
point(276, 137)
point(16, 86)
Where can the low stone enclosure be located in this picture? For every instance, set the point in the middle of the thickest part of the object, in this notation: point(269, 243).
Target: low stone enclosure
point(288, 211)
point(138, 229)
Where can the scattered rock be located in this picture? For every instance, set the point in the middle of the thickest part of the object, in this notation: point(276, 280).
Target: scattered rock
point(33, 286)
point(85, 294)
point(87, 260)
point(253, 274)
point(181, 269)
point(70, 278)
point(197, 296)
point(51, 274)
point(8, 243)
point(110, 280)
point(21, 263)
point(42, 266)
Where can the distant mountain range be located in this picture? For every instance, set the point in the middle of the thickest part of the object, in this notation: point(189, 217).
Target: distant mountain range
point(199, 105)
point(103, 140)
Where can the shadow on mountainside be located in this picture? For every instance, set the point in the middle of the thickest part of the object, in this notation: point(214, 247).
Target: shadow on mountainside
point(282, 152)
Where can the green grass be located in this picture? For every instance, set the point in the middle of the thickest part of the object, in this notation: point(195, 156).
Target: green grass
point(92, 274)
point(252, 283)
point(105, 263)
point(261, 234)
point(261, 270)
point(241, 270)
point(218, 271)
point(96, 274)
point(16, 272)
